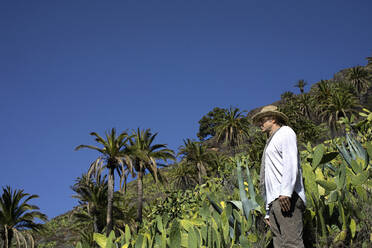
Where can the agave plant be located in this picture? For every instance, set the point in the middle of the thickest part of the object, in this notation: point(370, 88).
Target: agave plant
point(248, 206)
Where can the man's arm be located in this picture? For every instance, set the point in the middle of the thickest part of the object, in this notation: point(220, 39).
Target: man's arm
point(290, 168)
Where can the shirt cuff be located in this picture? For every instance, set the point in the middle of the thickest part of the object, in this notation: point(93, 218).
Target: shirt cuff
point(267, 214)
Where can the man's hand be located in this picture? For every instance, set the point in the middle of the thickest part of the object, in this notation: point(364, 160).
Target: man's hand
point(267, 221)
point(285, 203)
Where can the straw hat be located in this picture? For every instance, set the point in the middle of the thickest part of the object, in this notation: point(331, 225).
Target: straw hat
point(269, 110)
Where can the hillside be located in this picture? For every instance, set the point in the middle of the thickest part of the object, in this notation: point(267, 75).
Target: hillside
point(63, 231)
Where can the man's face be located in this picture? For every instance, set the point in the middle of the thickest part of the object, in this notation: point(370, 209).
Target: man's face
point(266, 124)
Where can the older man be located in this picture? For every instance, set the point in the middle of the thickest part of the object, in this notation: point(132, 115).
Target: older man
point(281, 179)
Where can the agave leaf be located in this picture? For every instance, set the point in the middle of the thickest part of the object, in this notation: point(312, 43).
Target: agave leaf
point(357, 149)
point(345, 154)
point(341, 177)
point(252, 193)
point(236, 204)
point(248, 205)
point(224, 224)
point(357, 165)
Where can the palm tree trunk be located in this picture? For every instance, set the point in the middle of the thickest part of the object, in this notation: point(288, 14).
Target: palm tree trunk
point(93, 213)
point(95, 224)
point(140, 197)
point(6, 237)
point(199, 177)
point(201, 172)
point(110, 199)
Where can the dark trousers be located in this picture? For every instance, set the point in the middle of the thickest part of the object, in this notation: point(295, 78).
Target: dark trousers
point(287, 227)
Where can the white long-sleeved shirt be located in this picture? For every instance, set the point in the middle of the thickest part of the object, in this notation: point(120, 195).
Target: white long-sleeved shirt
point(283, 174)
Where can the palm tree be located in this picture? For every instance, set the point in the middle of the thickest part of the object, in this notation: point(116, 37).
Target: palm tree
point(143, 155)
point(183, 176)
point(114, 158)
point(344, 86)
point(217, 163)
point(93, 194)
point(196, 155)
point(305, 102)
point(286, 96)
point(233, 128)
point(323, 90)
point(321, 96)
point(340, 104)
point(124, 212)
point(359, 78)
point(301, 85)
point(369, 64)
point(16, 215)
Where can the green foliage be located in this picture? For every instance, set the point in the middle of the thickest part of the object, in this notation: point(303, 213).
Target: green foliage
point(359, 78)
point(185, 219)
point(209, 122)
point(113, 157)
point(92, 193)
point(177, 205)
point(144, 156)
point(242, 221)
point(234, 128)
point(196, 155)
point(16, 215)
point(338, 192)
point(298, 111)
point(50, 244)
point(63, 230)
point(364, 127)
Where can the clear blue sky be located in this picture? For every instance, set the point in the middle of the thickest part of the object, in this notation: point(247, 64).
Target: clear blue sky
point(71, 67)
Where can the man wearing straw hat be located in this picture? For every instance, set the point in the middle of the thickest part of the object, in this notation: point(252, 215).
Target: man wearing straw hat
point(281, 179)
